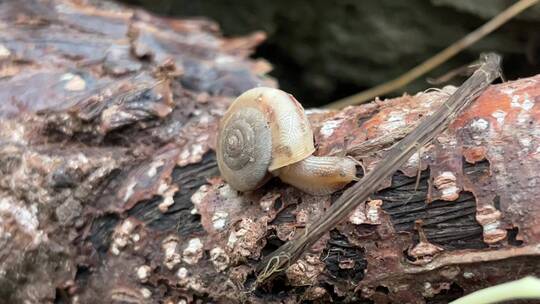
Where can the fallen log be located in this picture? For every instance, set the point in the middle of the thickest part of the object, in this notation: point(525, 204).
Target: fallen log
point(110, 190)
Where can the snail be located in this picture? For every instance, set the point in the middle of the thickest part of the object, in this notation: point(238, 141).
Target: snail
point(266, 133)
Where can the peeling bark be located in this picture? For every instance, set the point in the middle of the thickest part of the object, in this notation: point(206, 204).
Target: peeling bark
point(110, 190)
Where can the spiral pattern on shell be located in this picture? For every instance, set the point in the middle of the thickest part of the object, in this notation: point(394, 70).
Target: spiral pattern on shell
point(244, 149)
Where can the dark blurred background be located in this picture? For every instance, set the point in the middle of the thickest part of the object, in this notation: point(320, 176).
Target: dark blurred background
point(323, 50)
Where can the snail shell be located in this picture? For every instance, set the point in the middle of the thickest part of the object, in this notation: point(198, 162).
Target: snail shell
point(263, 130)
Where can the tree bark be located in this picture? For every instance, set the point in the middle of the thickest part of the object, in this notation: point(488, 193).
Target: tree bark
point(110, 190)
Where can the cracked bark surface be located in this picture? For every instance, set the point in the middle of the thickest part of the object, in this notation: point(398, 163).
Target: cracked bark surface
point(110, 190)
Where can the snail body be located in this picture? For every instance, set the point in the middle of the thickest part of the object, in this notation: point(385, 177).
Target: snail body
point(319, 175)
point(266, 133)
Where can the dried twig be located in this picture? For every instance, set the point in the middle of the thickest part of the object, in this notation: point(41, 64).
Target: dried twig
point(464, 70)
point(396, 156)
point(436, 60)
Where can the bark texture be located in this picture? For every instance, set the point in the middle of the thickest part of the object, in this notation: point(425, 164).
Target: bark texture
point(109, 190)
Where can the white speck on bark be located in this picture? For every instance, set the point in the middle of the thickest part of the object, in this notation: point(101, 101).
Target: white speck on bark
point(328, 128)
point(219, 258)
point(499, 116)
point(194, 251)
point(182, 273)
point(4, 52)
point(171, 255)
point(146, 293)
point(220, 220)
point(143, 272)
point(479, 124)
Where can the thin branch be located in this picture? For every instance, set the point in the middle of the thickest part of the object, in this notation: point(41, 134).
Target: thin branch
point(427, 129)
point(436, 60)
